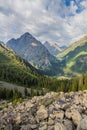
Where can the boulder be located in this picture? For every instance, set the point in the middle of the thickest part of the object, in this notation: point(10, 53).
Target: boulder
point(42, 113)
point(59, 126)
point(68, 113)
point(59, 114)
point(50, 122)
point(50, 128)
point(18, 118)
point(74, 115)
point(25, 127)
point(82, 124)
point(43, 126)
point(69, 124)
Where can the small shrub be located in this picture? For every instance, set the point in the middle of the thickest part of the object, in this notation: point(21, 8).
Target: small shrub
point(15, 101)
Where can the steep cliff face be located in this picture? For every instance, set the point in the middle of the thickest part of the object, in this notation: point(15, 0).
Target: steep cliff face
point(32, 50)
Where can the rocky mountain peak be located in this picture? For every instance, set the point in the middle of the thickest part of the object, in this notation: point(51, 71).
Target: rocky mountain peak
point(26, 35)
point(32, 50)
point(26, 38)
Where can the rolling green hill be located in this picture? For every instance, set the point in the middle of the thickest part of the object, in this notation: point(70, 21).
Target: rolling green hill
point(75, 58)
point(81, 42)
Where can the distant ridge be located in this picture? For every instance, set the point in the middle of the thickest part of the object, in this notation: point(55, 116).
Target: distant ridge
point(53, 48)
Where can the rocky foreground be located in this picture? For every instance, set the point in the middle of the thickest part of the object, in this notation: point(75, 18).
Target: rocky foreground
point(54, 111)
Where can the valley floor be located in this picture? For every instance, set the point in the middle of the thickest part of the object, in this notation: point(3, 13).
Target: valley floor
point(54, 111)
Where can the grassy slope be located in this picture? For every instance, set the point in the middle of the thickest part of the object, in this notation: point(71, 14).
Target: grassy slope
point(75, 66)
point(73, 57)
point(81, 42)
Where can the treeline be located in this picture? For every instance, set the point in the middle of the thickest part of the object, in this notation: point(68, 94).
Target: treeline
point(51, 84)
point(12, 94)
point(17, 75)
point(9, 93)
point(46, 84)
point(65, 85)
point(21, 77)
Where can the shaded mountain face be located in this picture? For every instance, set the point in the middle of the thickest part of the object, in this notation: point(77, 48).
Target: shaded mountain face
point(63, 48)
point(75, 57)
point(53, 48)
point(30, 49)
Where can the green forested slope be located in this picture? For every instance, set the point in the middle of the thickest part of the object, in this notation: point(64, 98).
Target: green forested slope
point(75, 58)
point(14, 69)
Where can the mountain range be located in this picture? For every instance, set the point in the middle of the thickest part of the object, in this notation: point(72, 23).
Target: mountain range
point(31, 50)
point(34, 52)
point(70, 62)
point(53, 48)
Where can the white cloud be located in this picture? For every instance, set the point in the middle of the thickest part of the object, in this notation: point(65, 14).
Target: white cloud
point(48, 20)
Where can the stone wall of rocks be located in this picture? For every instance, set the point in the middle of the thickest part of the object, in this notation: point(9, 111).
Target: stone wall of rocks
point(54, 111)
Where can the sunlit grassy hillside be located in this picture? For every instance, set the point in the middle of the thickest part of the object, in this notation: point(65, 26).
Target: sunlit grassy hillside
point(75, 58)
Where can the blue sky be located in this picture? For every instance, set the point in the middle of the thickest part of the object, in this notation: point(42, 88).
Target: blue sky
point(80, 7)
point(60, 21)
